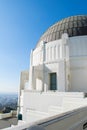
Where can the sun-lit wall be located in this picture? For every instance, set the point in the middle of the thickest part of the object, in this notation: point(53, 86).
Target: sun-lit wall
point(78, 63)
point(69, 65)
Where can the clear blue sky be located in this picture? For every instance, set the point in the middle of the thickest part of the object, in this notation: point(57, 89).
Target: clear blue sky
point(22, 22)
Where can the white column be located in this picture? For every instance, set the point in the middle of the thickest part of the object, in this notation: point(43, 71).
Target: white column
point(31, 58)
point(42, 44)
point(64, 46)
point(31, 71)
point(43, 59)
point(61, 78)
point(65, 58)
point(62, 51)
point(57, 52)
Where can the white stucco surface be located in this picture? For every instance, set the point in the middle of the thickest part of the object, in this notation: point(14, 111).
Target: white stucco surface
point(67, 58)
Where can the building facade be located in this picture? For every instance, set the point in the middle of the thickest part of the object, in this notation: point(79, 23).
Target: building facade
point(61, 62)
point(58, 68)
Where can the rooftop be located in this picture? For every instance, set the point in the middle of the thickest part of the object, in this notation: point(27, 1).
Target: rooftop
point(74, 26)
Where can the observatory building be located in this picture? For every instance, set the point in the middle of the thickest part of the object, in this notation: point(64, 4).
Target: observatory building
point(59, 60)
point(57, 78)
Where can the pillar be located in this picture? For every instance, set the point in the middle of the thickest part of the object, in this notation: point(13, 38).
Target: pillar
point(64, 48)
point(43, 65)
point(64, 65)
point(31, 71)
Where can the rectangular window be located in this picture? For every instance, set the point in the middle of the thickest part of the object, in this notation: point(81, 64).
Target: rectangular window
point(53, 82)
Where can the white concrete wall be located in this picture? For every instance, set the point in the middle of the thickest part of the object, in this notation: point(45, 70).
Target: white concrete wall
point(49, 61)
point(51, 52)
point(59, 69)
point(24, 77)
point(38, 55)
point(38, 101)
point(78, 63)
point(78, 46)
point(43, 102)
point(50, 68)
point(70, 76)
point(79, 74)
point(49, 58)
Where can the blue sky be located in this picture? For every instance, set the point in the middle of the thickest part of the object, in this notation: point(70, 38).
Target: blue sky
point(22, 22)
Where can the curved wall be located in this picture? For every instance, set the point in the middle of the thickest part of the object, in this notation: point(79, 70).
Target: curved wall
point(78, 63)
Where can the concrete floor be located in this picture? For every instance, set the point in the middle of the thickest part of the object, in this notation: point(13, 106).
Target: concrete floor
point(4, 123)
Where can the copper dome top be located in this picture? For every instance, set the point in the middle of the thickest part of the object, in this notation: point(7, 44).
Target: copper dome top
point(74, 26)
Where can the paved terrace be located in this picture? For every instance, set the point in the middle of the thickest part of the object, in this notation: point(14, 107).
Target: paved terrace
point(4, 123)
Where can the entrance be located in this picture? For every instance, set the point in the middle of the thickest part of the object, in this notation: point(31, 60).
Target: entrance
point(53, 82)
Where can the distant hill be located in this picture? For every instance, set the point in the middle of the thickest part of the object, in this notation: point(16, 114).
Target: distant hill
point(8, 100)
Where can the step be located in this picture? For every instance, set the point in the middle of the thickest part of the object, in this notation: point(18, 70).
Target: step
point(37, 113)
point(55, 109)
point(33, 115)
point(74, 94)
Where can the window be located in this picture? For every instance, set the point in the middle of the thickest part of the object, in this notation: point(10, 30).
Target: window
point(53, 82)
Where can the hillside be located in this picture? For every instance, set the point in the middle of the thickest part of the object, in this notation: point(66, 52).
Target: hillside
point(8, 100)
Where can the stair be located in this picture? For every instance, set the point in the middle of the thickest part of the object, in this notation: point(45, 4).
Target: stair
point(33, 115)
point(55, 110)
